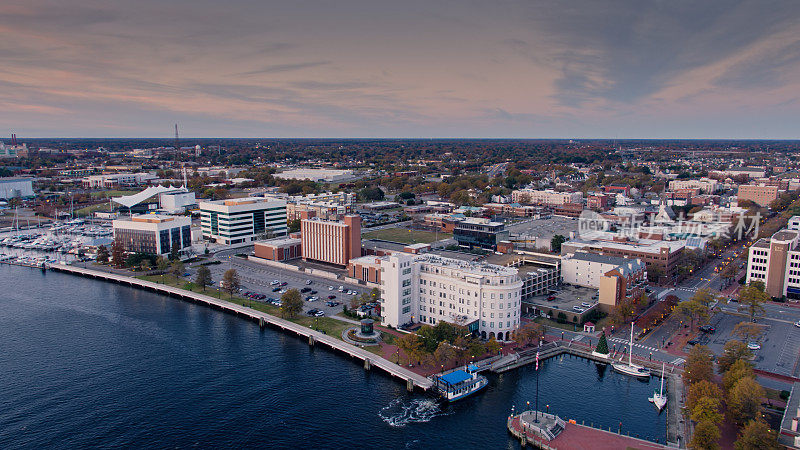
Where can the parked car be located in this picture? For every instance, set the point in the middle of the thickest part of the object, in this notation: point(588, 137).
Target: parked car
point(284, 283)
point(305, 289)
point(753, 345)
point(277, 289)
point(319, 313)
point(797, 324)
point(693, 341)
point(578, 309)
point(341, 288)
point(311, 312)
point(330, 288)
point(308, 281)
point(708, 329)
point(586, 305)
point(313, 292)
point(331, 297)
point(274, 282)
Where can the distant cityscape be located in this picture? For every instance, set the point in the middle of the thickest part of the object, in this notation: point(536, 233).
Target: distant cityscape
point(455, 261)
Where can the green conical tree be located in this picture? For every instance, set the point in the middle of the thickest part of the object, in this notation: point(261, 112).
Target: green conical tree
point(602, 345)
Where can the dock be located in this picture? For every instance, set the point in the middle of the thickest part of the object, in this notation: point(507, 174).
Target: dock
point(676, 430)
point(553, 433)
point(370, 360)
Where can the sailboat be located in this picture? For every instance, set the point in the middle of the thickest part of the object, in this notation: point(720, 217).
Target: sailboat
point(630, 368)
point(659, 399)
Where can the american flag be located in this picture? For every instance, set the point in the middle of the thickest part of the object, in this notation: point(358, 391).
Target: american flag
point(537, 359)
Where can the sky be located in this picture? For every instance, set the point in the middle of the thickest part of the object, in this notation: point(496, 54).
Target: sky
point(372, 68)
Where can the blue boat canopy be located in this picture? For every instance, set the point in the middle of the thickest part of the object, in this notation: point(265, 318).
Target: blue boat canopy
point(455, 377)
point(472, 368)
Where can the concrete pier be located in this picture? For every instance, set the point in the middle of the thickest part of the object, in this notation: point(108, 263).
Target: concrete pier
point(553, 433)
point(314, 337)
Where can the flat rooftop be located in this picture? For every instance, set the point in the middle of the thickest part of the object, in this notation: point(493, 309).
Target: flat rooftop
point(566, 298)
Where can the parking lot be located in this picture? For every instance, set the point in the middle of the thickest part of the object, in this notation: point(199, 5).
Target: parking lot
point(543, 228)
point(258, 278)
point(779, 341)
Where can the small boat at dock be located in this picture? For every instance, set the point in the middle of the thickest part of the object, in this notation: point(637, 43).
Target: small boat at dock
point(460, 383)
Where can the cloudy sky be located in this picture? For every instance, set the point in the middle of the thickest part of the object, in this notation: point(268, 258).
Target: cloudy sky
point(375, 68)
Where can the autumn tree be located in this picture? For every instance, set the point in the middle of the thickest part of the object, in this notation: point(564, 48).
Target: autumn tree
point(733, 351)
point(231, 282)
point(444, 354)
point(697, 391)
point(691, 310)
point(707, 409)
point(411, 345)
point(751, 297)
point(117, 255)
point(738, 370)
point(747, 330)
point(530, 332)
point(492, 346)
point(744, 400)
point(102, 254)
point(757, 435)
point(291, 303)
point(698, 365)
point(203, 277)
point(177, 269)
point(705, 436)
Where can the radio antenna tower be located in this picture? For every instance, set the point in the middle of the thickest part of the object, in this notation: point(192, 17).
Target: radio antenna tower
point(177, 142)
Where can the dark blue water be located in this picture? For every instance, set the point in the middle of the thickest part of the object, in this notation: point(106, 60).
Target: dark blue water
point(85, 363)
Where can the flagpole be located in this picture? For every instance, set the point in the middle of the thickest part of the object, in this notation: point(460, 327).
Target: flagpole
point(537, 387)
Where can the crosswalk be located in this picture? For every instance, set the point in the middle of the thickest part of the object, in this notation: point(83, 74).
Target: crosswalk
point(624, 342)
point(677, 361)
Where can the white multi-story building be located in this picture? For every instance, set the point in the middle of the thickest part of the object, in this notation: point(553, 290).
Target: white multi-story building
point(706, 185)
point(153, 234)
point(776, 263)
point(240, 220)
point(428, 289)
point(545, 197)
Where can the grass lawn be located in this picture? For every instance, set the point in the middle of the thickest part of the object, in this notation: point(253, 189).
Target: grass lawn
point(555, 324)
point(331, 327)
point(405, 236)
point(87, 211)
point(112, 193)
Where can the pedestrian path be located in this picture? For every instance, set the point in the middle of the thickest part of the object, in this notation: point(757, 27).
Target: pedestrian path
point(624, 342)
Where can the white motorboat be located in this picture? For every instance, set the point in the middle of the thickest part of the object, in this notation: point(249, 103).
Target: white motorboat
point(630, 368)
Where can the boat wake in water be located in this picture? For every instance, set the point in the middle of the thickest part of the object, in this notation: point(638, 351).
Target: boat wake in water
point(400, 413)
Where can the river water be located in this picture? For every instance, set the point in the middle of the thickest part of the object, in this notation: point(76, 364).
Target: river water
point(84, 363)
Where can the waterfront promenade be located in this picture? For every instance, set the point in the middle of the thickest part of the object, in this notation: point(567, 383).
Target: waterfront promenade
point(369, 359)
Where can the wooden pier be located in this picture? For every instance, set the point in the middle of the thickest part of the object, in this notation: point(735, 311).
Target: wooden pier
point(370, 360)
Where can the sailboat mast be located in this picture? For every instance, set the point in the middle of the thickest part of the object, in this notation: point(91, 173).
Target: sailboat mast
point(630, 347)
point(661, 391)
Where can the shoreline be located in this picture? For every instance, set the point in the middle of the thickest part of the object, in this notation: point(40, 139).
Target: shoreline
point(369, 359)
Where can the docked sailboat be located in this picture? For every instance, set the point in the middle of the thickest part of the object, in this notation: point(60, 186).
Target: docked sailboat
point(630, 368)
point(658, 398)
